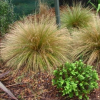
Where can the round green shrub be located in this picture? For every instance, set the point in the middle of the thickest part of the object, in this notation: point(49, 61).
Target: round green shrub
point(75, 79)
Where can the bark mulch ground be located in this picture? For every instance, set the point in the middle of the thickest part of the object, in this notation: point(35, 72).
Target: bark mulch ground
point(30, 86)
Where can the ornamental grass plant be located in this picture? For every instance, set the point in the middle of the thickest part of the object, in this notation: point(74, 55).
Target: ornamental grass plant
point(87, 43)
point(76, 17)
point(35, 45)
point(43, 11)
point(43, 8)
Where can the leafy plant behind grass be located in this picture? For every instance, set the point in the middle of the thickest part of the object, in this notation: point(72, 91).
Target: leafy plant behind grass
point(7, 16)
point(89, 44)
point(75, 79)
point(33, 45)
point(96, 7)
point(76, 17)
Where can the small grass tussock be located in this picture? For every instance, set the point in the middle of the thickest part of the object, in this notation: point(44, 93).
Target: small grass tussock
point(35, 46)
point(76, 17)
point(88, 48)
point(44, 11)
point(43, 8)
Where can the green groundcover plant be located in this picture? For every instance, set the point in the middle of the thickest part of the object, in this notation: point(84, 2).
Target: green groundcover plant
point(75, 79)
point(35, 45)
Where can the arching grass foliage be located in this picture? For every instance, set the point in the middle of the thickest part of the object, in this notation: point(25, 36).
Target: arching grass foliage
point(34, 45)
point(76, 17)
point(88, 40)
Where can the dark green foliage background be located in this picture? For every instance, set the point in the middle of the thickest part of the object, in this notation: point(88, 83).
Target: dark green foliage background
point(30, 6)
point(15, 9)
point(7, 16)
point(25, 7)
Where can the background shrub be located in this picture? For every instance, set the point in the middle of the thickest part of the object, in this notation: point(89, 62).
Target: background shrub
point(75, 79)
point(6, 16)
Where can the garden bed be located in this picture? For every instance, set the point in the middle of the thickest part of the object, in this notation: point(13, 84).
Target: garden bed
point(36, 87)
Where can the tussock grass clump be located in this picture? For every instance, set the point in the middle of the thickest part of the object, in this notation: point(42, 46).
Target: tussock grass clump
point(76, 17)
point(35, 46)
point(43, 8)
point(44, 11)
point(88, 44)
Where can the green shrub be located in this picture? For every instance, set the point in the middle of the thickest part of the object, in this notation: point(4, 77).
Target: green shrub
point(75, 79)
point(76, 17)
point(35, 45)
point(6, 16)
